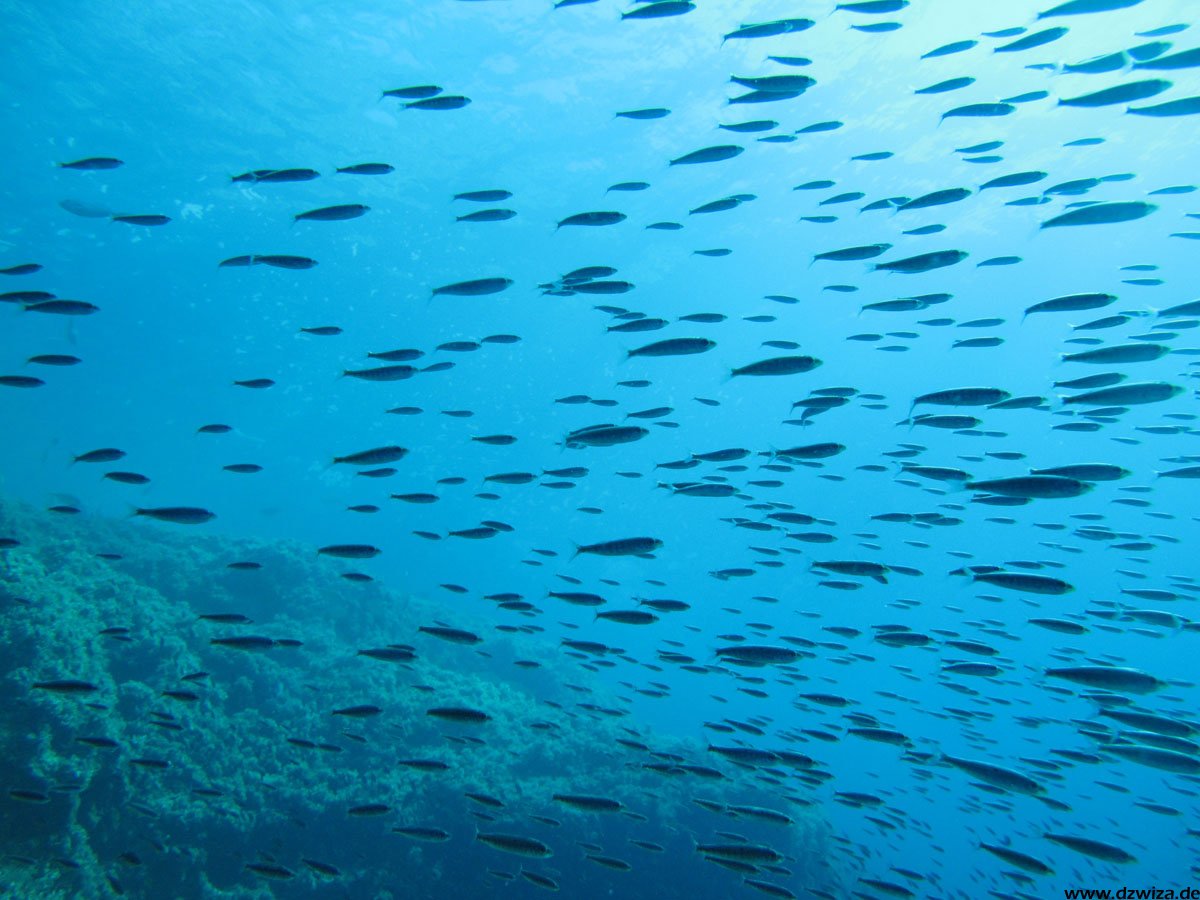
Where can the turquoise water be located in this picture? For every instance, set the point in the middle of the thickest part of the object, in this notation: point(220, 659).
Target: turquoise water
point(185, 97)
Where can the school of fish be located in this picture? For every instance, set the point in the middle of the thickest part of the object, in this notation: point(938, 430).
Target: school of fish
point(897, 530)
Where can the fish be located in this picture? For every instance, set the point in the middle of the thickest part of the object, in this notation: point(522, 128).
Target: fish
point(949, 49)
point(747, 852)
point(349, 551)
point(276, 176)
point(635, 546)
point(1003, 778)
point(923, 262)
point(1121, 679)
point(769, 29)
point(476, 288)
point(370, 168)
point(979, 111)
point(150, 220)
point(950, 84)
point(1036, 39)
point(439, 102)
point(322, 868)
point(368, 810)
point(1033, 486)
point(1127, 394)
point(66, 686)
point(271, 871)
point(1025, 582)
point(1091, 847)
point(488, 195)
point(854, 254)
point(460, 714)
point(1084, 7)
point(373, 457)
point(778, 365)
point(542, 881)
point(1022, 861)
point(588, 803)
point(1130, 92)
point(420, 833)
point(970, 396)
point(62, 307)
point(1086, 472)
point(414, 92)
point(179, 515)
point(1118, 353)
point(1184, 59)
point(718, 153)
point(1072, 303)
point(21, 381)
point(758, 655)
point(93, 164)
point(673, 347)
point(657, 112)
point(936, 198)
point(451, 635)
point(594, 219)
point(517, 845)
point(488, 215)
point(389, 654)
point(1102, 214)
point(604, 436)
point(872, 7)
point(1185, 106)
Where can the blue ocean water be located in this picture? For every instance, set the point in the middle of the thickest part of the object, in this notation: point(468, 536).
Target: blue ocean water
point(795, 583)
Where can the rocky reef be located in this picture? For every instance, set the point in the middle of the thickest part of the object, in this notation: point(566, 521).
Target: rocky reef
point(143, 759)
